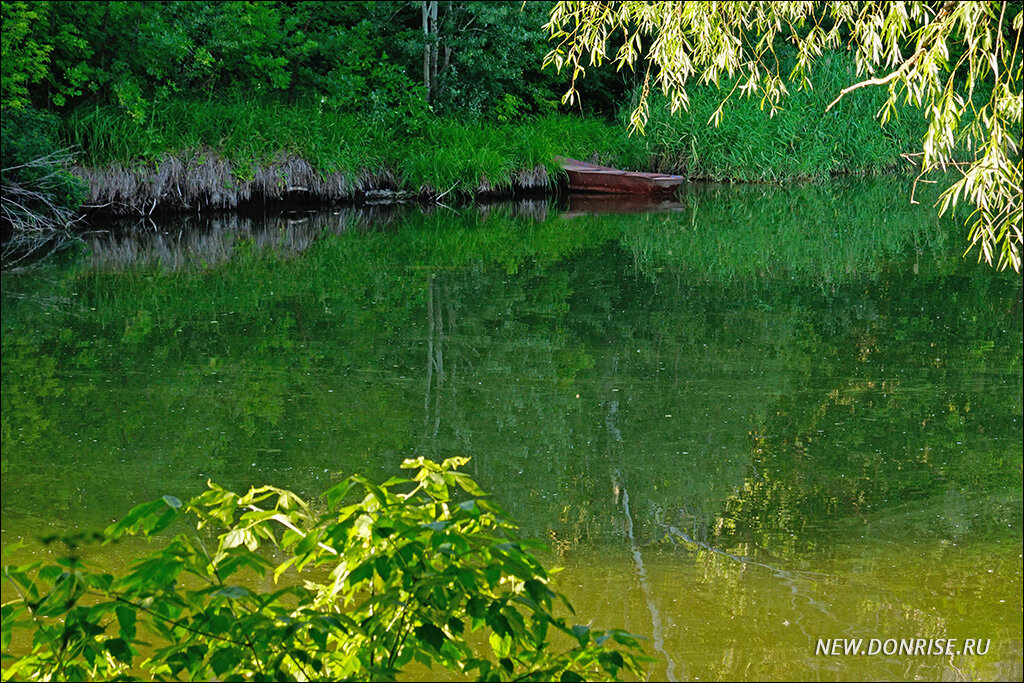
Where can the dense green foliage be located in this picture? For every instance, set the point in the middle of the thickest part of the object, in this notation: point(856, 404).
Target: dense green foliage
point(350, 56)
point(409, 571)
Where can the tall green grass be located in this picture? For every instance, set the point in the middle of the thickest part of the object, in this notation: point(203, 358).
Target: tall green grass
point(451, 152)
point(243, 132)
point(437, 156)
point(801, 141)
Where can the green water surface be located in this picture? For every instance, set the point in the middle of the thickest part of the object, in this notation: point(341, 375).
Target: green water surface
point(743, 424)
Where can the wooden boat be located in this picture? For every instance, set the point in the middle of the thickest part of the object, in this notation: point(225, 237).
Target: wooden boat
point(584, 177)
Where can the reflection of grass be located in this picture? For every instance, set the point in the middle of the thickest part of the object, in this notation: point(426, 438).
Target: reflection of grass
point(814, 234)
point(838, 232)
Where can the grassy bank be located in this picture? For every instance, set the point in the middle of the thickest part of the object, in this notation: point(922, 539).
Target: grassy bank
point(189, 154)
point(181, 154)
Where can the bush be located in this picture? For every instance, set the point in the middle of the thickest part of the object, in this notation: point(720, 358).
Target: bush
point(396, 577)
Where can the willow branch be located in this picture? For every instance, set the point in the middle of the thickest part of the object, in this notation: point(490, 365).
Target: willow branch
point(877, 81)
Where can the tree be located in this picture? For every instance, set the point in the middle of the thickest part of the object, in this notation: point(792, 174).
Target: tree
point(396, 577)
point(24, 57)
point(960, 62)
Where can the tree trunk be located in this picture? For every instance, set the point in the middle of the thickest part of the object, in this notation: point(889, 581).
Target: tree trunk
point(433, 52)
point(429, 8)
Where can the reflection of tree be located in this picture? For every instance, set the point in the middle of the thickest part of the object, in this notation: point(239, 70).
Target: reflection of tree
point(443, 295)
point(435, 362)
point(882, 431)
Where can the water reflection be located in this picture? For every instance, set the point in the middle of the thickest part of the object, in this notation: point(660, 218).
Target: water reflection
point(766, 417)
point(205, 241)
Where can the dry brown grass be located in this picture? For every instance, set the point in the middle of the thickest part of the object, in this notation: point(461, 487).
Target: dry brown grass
point(204, 181)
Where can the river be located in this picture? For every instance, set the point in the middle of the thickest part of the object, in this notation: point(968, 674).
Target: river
point(756, 426)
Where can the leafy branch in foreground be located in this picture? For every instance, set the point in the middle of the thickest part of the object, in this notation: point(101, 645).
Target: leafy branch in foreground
point(959, 62)
point(394, 578)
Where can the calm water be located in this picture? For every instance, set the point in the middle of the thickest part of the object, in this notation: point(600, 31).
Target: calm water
point(758, 419)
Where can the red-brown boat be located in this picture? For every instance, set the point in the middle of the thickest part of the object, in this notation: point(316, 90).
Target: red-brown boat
point(584, 177)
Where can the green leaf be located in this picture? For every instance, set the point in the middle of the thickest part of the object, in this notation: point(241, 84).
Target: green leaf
point(337, 493)
point(539, 591)
point(362, 572)
point(581, 633)
point(283, 567)
point(467, 484)
point(136, 518)
point(431, 635)
point(126, 621)
point(224, 660)
point(476, 607)
point(237, 537)
point(233, 592)
point(456, 626)
point(156, 525)
point(500, 644)
point(625, 638)
point(611, 661)
point(498, 623)
point(308, 543)
point(119, 649)
point(383, 566)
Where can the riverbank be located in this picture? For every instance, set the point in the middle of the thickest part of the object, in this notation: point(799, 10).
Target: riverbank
point(191, 156)
point(226, 155)
point(233, 155)
point(200, 180)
